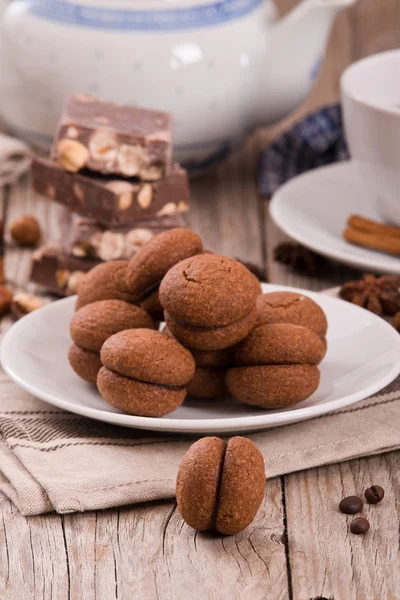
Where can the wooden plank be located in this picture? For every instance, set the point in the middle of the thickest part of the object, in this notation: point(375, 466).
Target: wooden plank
point(33, 562)
point(226, 208)
point(249, 566)
point(144, 552)
point(325, 559)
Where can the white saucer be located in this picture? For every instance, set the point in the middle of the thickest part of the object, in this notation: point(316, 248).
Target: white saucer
point(313, 209)
point(363, 356)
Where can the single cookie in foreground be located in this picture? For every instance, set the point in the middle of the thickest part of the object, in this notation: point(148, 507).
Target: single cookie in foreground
point(220, 486)
point(277, 366)
point(209, 301)
point(144, 372)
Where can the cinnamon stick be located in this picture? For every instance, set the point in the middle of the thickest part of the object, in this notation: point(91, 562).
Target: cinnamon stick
point(375, 241)
point(373, 227)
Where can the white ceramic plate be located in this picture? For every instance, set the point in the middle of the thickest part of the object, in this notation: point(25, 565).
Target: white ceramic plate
point(363, 356)
point(313, 209)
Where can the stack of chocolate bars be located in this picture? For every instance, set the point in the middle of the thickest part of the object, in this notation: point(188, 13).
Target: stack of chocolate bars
point(111, 168)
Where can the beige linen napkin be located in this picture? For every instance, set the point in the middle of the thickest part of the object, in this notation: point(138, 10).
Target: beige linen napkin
point(54, 460)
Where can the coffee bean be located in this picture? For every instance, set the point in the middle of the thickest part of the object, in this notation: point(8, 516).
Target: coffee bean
point(351, 505)
point(359, 525)
point(374, 494)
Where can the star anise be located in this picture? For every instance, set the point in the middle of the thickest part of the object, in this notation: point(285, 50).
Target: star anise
point(300, 259)
point(380, 295)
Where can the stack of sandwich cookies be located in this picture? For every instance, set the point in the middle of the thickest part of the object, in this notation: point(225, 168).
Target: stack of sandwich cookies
point(215, 342)
point(209, 301)
point(112, 165)
point(93, 324)
point(276, 366)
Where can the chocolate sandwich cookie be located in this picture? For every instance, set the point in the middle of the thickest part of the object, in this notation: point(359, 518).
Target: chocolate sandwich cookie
point(152, 305)
point(147, 268)
point(211, 338)
point(220, 486)
point(213, 358)
point(106, 281)
point(85, 363)
point(209, 301)
point(94, 323)
point(209, 378)
point(277, 366)
point(144, 372)
point(208, 382)
point(291, 307)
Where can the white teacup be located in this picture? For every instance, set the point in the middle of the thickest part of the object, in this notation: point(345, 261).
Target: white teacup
point(371, 106)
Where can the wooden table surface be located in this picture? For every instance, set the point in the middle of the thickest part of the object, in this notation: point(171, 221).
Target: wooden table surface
point(147, 552)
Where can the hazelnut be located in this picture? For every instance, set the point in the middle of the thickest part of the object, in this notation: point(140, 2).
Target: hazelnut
point(74, 281)
point(169, 209)
point(62, 276)
point(124, 190)
point(103, 146)
point(79, 249)
point(145, 196)
point(95, 241)
point(220, 485)
point(125, 201)
point(138, 238)
point(183, 206)
point(112, 246)
point(119, 187)
point(130, 159)
point(151, 173)
point(26, 231)
point(23, 304)
point(73, 155)
point(6, 297)
point(72, 132)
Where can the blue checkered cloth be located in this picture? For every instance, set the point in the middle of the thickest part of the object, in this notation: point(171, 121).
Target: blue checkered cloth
point(315, 141)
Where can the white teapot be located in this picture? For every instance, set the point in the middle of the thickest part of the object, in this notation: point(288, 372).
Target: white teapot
point(221, 67)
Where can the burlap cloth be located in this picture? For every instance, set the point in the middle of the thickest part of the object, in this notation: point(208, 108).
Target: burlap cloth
point(54, 460)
